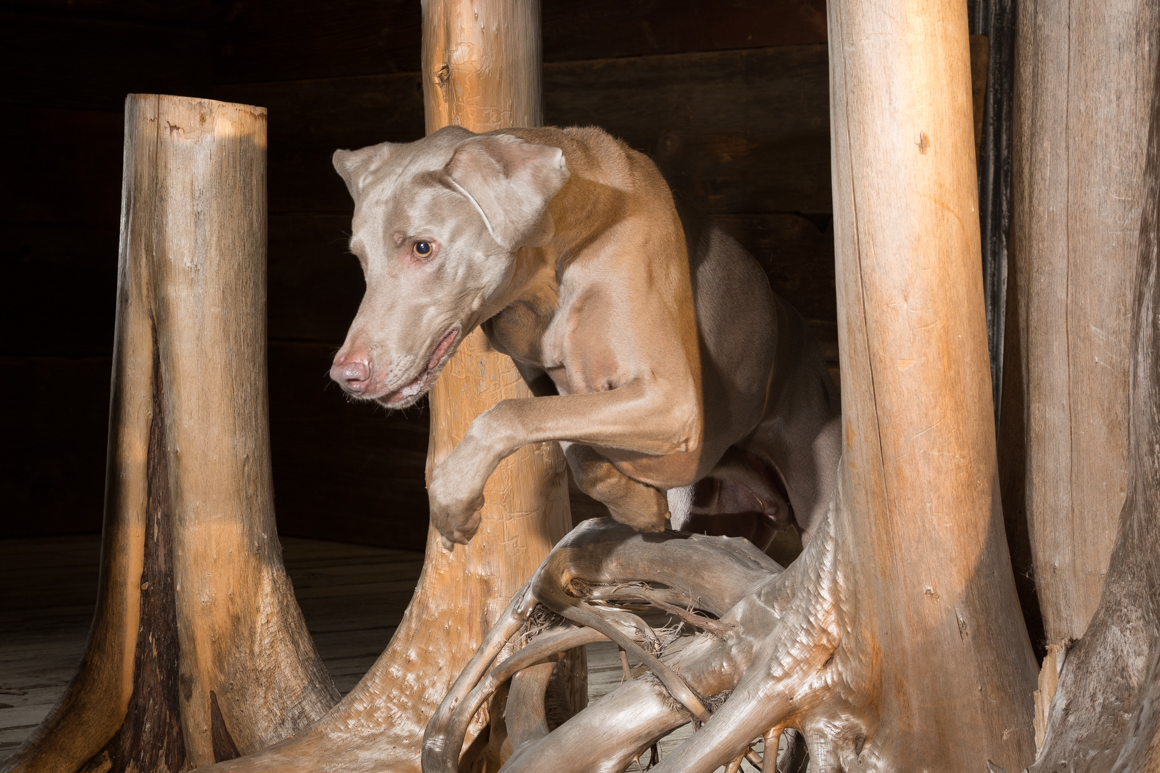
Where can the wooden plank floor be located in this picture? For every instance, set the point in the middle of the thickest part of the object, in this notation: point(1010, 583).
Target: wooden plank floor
point(352, 597)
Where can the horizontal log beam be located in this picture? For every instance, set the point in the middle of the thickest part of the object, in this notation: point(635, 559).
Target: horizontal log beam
point(207, 42)
point(743, 131)
point(66, 61)
point(68, 169)
point(53, 452)
point(195, 13)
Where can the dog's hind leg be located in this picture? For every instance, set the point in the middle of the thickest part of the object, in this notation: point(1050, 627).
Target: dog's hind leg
point(634, 504)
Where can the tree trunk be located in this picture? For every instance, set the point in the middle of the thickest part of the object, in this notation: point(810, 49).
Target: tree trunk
point(482, 64)
point(1083, 84)
point(197, 633)
point(922, 522)
point(1106, 713)
point(481, 70)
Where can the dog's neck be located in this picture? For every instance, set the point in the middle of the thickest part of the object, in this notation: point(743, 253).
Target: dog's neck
point(529, 299)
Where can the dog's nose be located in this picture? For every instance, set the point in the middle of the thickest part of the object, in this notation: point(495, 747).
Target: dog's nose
point(351, 372)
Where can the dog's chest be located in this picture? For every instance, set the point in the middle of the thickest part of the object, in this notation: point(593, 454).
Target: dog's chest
point(537, 337)
point(526, 334)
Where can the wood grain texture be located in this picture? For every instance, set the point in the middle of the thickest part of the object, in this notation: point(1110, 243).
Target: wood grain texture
point(980, 56)
point(217, 406)
point(266, 42)
point(746, 130)
point(1105, 717)
point(193, 597)
point(315, 284)
point(71, 156)
point(76, 266)
point(62, 202)
point(195, 13)
point(352, 598)
point(53, 456)
point(741, 131)
point(481, 70)
point(995, 19)
point(933, 593)
point(1083, 83)
point(344, 471)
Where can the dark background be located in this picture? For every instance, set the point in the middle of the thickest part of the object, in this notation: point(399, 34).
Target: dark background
point(729, 96)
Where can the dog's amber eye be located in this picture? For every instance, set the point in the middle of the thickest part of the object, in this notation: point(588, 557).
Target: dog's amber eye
point(422, 250)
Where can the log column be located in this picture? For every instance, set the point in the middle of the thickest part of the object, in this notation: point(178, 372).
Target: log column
point(1106, 714)
point(198, 651)
point(481, 71)
point(920, 520)
point(1084, 73)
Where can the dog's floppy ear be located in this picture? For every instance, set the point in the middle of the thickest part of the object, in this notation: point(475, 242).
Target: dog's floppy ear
point(354, 165)
point(510, 183)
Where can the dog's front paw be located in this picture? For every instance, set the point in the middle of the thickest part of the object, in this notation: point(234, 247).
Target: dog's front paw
point(455, 509)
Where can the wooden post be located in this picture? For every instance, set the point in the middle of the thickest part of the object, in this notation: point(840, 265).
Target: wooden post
point(198, 651)
point(1083, 82)
point(929, 568)
point(481, 70)
point(1106, 713)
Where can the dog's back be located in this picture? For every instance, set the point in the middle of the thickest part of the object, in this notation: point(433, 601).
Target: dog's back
point(768, 392)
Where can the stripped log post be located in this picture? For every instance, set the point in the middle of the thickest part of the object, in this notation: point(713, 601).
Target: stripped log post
point(1105, 716)
point(930, 572)
point(198, 651)
point(1083, 83)
point(482, 71)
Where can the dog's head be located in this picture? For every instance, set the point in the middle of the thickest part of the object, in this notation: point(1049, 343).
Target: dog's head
point(436, 227)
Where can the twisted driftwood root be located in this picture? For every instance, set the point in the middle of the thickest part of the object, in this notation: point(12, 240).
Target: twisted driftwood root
point(769, 656)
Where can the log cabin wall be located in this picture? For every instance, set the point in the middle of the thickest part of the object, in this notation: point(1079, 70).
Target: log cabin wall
point(729, 97)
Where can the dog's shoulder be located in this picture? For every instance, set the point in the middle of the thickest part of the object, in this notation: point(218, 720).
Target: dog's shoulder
point(612, 153)
point(591, 151)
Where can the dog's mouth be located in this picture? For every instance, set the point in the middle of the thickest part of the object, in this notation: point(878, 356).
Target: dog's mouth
point(410, 392)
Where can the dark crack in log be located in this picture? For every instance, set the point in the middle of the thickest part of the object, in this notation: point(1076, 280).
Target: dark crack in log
point(150, 738)
point(224, 747)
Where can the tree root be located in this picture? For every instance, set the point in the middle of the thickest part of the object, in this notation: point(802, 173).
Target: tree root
point(771, 657)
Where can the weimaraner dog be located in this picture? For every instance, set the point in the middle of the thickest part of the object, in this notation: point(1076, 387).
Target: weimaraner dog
point(672, 376)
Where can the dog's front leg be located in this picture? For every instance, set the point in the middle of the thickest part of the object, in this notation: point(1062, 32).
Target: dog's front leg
point(645, 415)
